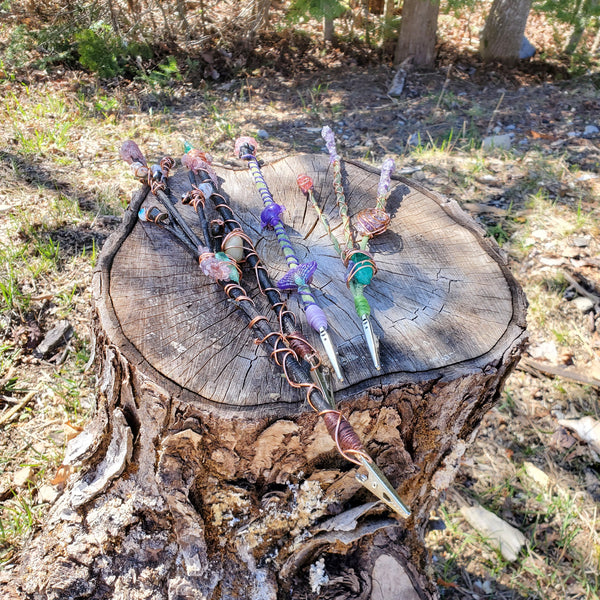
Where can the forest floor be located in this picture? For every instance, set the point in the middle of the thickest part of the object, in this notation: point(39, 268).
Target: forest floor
point(63, 190)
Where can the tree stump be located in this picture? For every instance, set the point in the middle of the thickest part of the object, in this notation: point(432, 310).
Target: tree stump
point(204, 475)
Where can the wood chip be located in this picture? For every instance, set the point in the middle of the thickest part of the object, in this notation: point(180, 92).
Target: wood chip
point(23, 476)
point(506, 538)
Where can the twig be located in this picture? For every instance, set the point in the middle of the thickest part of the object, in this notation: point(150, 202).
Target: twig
point(444, 87)
point(489, 127)
point(534, 367)
point(7, 416)
point(7, 377)
point(579, 288)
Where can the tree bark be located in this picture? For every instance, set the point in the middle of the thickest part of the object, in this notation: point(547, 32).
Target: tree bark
point(202, 475)
point(416, 37)
point(328, 29)
point(503, 32)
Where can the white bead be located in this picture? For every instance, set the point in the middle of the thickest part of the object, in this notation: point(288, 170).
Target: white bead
point(234, 248)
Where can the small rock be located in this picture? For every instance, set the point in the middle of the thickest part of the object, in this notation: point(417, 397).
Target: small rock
point(540, 234)
point(590, 130)
point(47, 494)
point(574, 134)
point(510, 128)
point(570, 252)
point(545, 351)
point(57, 336)
point(262, 134)
point(587, 177)
point(23, 476)
point(583, 304)
point(414, 139)
point(527, 49)
point(582, 241)
point(503, 141)
point(497, 129)
point(537, 475)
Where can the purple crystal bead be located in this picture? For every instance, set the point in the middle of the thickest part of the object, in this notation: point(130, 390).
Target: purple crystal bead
point(269, 217)
point(297, 275)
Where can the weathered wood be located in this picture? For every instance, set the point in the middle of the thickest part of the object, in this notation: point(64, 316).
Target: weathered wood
point(203, 475)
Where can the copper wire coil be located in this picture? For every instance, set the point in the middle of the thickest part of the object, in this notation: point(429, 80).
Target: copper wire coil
point(301, 347)
point(166, 164)
point(364, 263)
point(257, 319)
point(237, 232)
point(346, 439)
point(193, 198)
point(231, 286)
point(371, 222)
point(154, 215)
point(155, 186)
point(205, 256)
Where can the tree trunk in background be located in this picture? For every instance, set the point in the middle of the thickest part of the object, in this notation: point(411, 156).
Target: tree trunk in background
point(503, 32)
point(417, 32)
point(204, 476)
point(327, 29)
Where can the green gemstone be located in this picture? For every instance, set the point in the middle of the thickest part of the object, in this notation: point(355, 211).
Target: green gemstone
point(363, 269)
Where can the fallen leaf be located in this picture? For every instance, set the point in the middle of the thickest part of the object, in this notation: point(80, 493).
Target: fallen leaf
point(538, 135)
point(562, 440)
point(63, 473)
point(72, 431)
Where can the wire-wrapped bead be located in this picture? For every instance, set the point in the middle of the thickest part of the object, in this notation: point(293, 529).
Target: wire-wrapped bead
point(371, 222)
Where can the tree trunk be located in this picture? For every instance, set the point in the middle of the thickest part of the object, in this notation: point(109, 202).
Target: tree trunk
point(203, 475)
point(328, 28)
point(503, 32)
point(418, 27)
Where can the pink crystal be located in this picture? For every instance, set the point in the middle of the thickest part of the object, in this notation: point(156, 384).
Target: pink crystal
point(130, 153)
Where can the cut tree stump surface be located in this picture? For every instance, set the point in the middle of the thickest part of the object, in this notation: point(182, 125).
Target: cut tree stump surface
point(441, 296)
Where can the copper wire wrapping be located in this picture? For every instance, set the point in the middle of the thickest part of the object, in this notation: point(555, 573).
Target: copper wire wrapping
point(237, 232)
point(302, 348)
point(230, 286)
point(342, 433)
point(156, 185)
point(256, 319)
point(371, 222)
point(194, 197)
point(366, 262)
point(166, 164)
point(223, 204)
